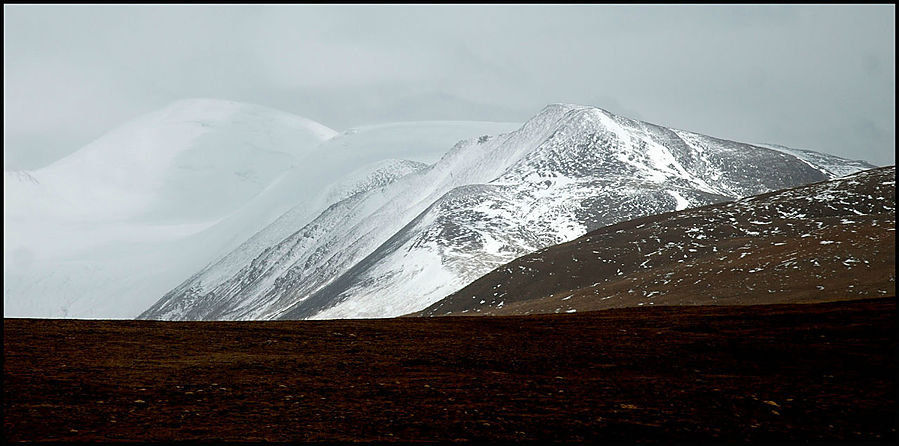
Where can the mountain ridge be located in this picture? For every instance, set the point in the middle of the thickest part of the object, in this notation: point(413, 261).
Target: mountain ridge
point(824, 241)
point(568, 170)
point(210, 174)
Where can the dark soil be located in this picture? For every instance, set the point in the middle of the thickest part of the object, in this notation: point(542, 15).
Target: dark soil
point(782, 372)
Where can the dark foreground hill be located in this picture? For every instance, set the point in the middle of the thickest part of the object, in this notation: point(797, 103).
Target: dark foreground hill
point(825, 241)
point(779, 372)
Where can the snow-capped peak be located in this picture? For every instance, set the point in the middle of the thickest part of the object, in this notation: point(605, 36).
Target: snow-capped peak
point(107, 230)
point(101, 228)
point(396, 249)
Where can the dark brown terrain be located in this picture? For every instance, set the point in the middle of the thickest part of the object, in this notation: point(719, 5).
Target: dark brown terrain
point(816, 243)
point(777, 372)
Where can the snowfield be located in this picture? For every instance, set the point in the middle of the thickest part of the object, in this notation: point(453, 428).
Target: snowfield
point(106, 231)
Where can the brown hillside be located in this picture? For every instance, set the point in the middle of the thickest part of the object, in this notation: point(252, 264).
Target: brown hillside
point(826, 241)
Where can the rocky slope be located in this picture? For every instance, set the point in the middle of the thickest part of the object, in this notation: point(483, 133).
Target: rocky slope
point(826, 241)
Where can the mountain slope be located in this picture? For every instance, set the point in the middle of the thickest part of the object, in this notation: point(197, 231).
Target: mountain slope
point(98, 232)
point(831, 165)
point(397, 249)
point(194, 159)
point(106, 231)
point(825, 241)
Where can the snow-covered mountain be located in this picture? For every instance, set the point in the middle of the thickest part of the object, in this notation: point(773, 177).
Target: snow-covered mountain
point(831, 165)
point(105, 231)
point(397, 248)
point(821, 242)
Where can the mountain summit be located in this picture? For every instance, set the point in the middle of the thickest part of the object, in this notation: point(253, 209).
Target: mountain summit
point(398, 248)
point(104, 232)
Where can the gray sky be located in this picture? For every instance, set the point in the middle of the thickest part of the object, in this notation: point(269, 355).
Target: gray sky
point(821, 77)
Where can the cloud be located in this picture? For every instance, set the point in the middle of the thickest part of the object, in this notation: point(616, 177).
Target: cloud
point(794, 74)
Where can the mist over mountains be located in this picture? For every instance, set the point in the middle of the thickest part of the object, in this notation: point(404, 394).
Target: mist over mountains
point(106, 231)
point(212, 209)
point(401, 246)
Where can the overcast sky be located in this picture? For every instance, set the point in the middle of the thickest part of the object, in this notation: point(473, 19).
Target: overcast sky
point(820, 77)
